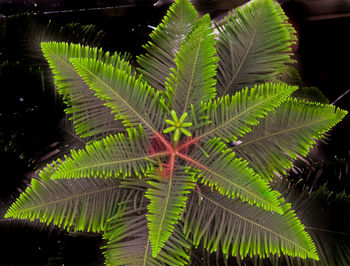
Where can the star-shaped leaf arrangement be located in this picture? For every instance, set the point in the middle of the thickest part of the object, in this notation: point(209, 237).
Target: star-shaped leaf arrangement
point(182, 149)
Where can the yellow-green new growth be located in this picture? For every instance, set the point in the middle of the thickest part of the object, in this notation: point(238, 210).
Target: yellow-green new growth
point(178, 125)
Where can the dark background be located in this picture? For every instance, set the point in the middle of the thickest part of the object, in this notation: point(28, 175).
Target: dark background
point(30, 112)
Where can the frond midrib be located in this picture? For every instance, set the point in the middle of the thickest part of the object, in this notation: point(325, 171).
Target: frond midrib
point(167, 200)
point(67, 199)
point(252, 222)
point(243, 59)
point(146, 253)
point(69, 65)
point(279, 133)
point(110, 163)
point(193, 72)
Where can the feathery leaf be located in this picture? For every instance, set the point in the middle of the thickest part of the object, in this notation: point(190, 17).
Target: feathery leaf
point(118, 156)
point(90, 117)
point(232, 116)
point(192, 81)
point(253, 45)
point(131, 99)
point(129, 243)
point(167, 200)
point(81, 204)
point(166, 41)
point(240, 229)
point(282, 136)
point(231, 176)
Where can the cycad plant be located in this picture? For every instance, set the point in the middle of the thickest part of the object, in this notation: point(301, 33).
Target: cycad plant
point(181, 151)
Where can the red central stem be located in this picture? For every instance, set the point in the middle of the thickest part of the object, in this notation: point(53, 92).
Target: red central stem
point(187, 144)
point(167, 145)
point(189, 159)
point(168, 149)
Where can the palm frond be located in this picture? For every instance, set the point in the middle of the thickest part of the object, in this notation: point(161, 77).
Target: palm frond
point(231, 177)
point(90, 117)
point(167, 199)
point(322, 213)
point(192, 80)
point(253, 46)
point(166, 41)
point(291, 131)
point(240, 229)
point(232, 116)
point(80, 204)
point(117, 156)
point(129, 243)
point(132, 100)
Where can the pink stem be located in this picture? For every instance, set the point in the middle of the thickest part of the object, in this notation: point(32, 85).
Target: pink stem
point(193, 141)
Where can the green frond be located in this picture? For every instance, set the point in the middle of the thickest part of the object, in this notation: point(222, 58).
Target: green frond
point(131, 100)
point(166, 41)
point(232, 116)
point(253, 46)
point(240, 229)
point(90, 117)
point(291, 131)
point(116, 155)
point(192, 80)
point(322, 213)
point(232, 177)
point(129, 243)
point(80, 204)
point(167, 197)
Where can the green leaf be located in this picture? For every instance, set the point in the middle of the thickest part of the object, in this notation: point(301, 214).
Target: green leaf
point(253, 45)
point(322, 213)
point(167, 199)
point(81, 204)
point(289, 132)
point(131, 99)
point(232, 116)
point(240, 229)
point(90, 117)
point(166, 41)
point(192, 81)
point(116, 155)
point(231, 176)
point(129, 243)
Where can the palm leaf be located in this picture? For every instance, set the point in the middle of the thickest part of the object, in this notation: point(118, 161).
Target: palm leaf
point(166, 41)
point(91, 118)
point(239, 229)
point(323, 214)
point(253, 45)
point(117, 156)
point(232, 116)
point(290, 132)
point(167, 200)
point(129, 243)
point(231, 177)
point(192, 81)
point(81, 204)
point(132, 100)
